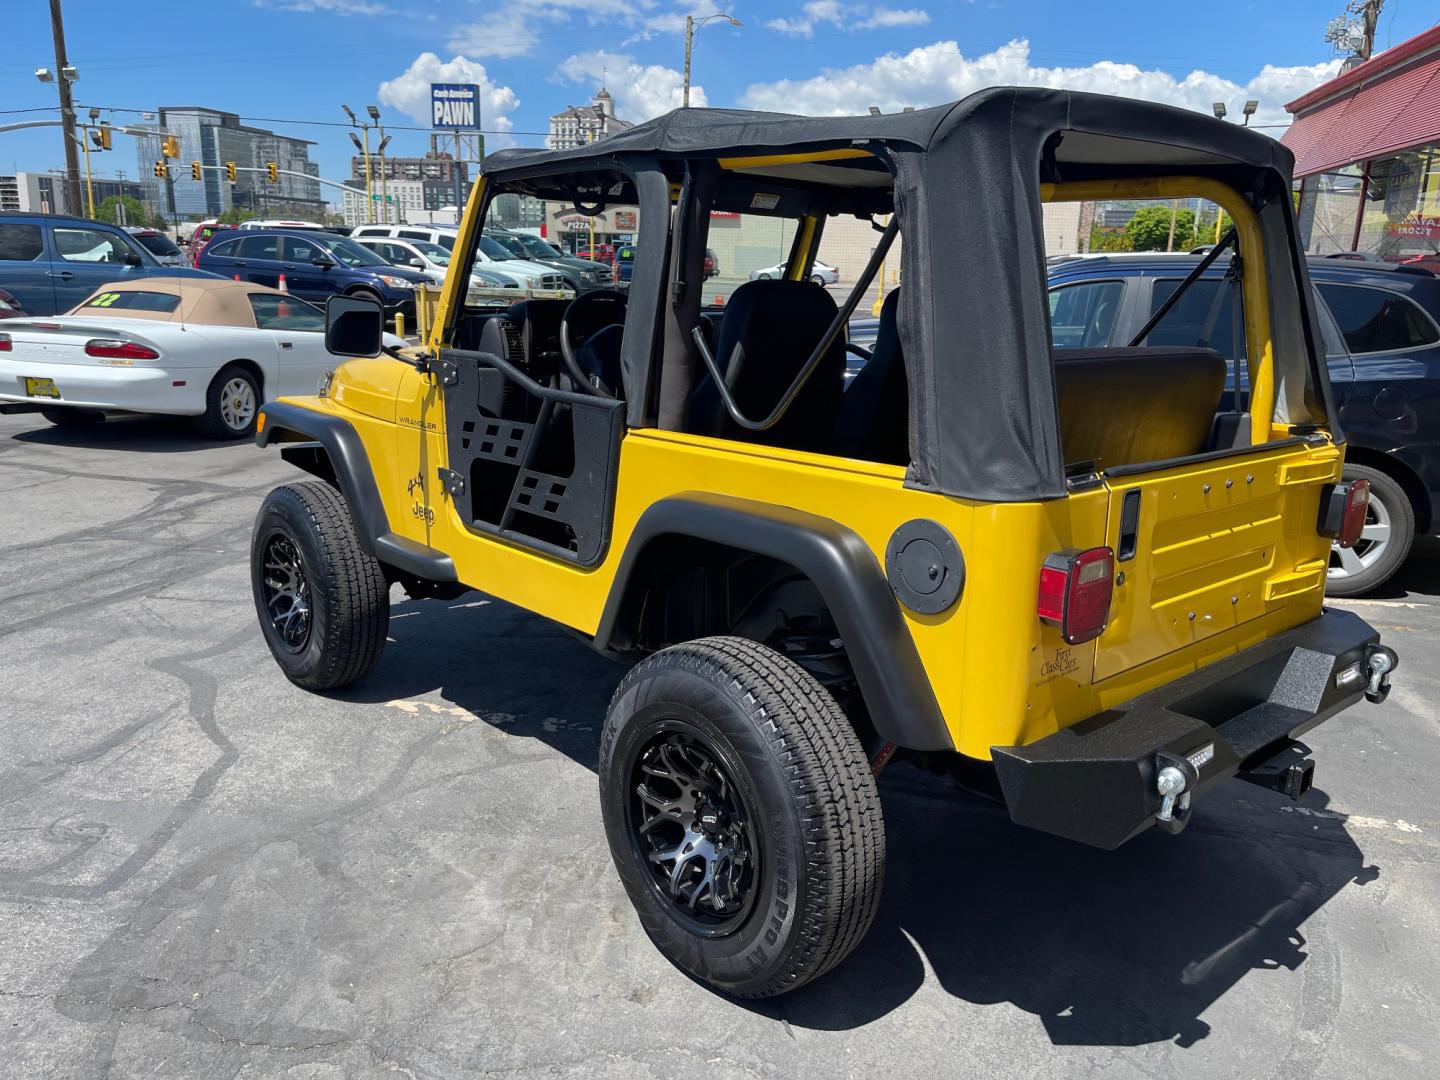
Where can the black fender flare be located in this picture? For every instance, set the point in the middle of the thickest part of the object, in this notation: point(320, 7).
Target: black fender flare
point(850, 580)
point(343, 445)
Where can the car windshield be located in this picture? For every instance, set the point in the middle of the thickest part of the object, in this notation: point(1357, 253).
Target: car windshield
point(434, 252)
point(157, 244)
point(494, 249)
point(533, 245)
point(350, 253)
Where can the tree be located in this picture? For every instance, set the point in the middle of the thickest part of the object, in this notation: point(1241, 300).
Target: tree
point(136, 212)
point(1149, 229)
point(234, 216)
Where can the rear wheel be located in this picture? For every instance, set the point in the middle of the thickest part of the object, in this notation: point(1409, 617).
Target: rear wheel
point(323, 603)
point(817, 279)
point(741, 815)
point(73, 418)
point(231, 404)
point(1384, 542)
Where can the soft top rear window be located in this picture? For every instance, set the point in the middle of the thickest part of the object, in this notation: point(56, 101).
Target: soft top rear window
point(135, 301)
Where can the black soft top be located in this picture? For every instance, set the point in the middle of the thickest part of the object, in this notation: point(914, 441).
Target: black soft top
point(964, 181)
point(1192, 137)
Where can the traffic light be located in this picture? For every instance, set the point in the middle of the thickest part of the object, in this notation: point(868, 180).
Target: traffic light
point(162, 171)
point(100, 136)
point(230, 171)
point(170, 147)
point(194, 170)
point(272, 171)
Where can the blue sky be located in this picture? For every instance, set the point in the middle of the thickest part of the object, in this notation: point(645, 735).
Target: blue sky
point(298, 60)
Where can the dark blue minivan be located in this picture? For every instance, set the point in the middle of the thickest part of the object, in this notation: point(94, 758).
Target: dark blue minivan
point(1381, 329)
point(315, 265)
point(50, 262)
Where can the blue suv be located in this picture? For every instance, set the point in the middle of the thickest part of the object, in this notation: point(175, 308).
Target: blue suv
point(1381, 329)
point(50, 263)
point(315, 266)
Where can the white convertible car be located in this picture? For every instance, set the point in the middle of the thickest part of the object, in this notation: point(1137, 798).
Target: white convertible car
point(215, 350)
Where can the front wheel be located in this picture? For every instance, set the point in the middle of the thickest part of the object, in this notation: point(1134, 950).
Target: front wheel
point(1385, 540)
point(323, 603)
point(232, 403)
point(741, 814)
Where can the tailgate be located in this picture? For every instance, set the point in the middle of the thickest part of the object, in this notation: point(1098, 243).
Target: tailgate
point(1204, 547)
point(60, 341)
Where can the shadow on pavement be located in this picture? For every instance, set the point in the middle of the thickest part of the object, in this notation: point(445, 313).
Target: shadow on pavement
point(134, 434)
point(1115, 948)
point(1418, 576)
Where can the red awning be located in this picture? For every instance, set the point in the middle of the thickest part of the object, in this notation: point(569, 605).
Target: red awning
point(1390, 111)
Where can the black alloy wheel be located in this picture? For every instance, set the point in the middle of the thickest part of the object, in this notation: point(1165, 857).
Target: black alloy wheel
point(692, 827)
point(285, 592)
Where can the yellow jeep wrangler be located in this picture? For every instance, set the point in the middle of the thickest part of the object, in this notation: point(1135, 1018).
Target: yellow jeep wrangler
point(1087, 581)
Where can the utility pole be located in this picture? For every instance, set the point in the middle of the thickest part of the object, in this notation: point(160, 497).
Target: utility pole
point(67, 109)
point(1369, 16)
point(691, 25)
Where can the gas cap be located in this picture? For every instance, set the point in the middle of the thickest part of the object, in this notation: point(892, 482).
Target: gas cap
point(924, 566)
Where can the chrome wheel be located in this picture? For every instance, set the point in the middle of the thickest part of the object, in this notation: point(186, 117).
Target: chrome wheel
point(1369, 549)
point(237, 403)
point(692, 831)
point(286, 592)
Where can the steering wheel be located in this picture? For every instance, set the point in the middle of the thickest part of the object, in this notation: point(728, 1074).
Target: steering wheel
point(588, 313)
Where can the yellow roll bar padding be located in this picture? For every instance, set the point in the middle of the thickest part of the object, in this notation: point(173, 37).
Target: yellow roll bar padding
point(1254, 285)
point(761, 161)
point(808, 226)
point(452, 295)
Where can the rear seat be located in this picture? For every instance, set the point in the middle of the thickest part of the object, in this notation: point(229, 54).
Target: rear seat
point(1130, 406)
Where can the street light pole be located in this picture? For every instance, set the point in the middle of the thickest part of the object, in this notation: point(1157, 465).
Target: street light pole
point(691, 25)
point(67, 107)
point(384, 202)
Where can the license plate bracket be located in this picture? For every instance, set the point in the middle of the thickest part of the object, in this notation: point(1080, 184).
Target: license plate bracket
point(39, 387)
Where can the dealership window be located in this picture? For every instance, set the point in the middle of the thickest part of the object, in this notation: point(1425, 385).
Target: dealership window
point(1377, 320)
point(1387, 208)
point(1329, 206)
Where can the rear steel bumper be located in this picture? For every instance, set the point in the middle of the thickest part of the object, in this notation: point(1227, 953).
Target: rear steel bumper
point(1098, 781)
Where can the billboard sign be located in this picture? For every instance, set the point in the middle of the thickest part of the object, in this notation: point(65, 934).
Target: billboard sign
point(455, 106)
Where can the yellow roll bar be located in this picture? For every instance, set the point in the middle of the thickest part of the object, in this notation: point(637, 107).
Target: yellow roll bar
point(1254, 285)
point(452, 295)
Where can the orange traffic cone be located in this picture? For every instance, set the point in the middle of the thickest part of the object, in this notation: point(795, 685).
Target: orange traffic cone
point(283, 287)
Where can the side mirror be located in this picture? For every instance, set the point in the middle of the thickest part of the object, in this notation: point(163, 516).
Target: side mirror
point(354, 326)
point(322, 262)
point(130, 259)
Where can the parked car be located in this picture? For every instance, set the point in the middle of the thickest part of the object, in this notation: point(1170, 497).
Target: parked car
point(282, 223)
point(624, 262)
point(601, 253)
point(582, 273)
point(202, 235)
point(158, 244)
point(49, 263)
point(1381, 325)
point(489, 255)
point(208, 348)
point(431, 260)
point(10, 307)
point(712, 264)
point(315, 266)
point(820, 273)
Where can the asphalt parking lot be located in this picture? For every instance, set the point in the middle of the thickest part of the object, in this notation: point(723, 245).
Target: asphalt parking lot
point(207, 872)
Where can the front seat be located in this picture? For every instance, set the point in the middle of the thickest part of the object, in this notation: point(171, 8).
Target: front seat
point(778, 324)
point(874, 420)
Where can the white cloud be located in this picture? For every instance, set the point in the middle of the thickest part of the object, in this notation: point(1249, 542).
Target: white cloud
point(937, 73)
point(641, 90)
point(329, 7)
point(895, 17)
point(846, 17)
point(506, 33)
point(410, 93)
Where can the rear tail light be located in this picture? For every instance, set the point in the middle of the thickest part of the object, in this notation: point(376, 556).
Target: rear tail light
point(4, 342)
point(1342, 512)
point(117, 349)
point(1075, 592)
